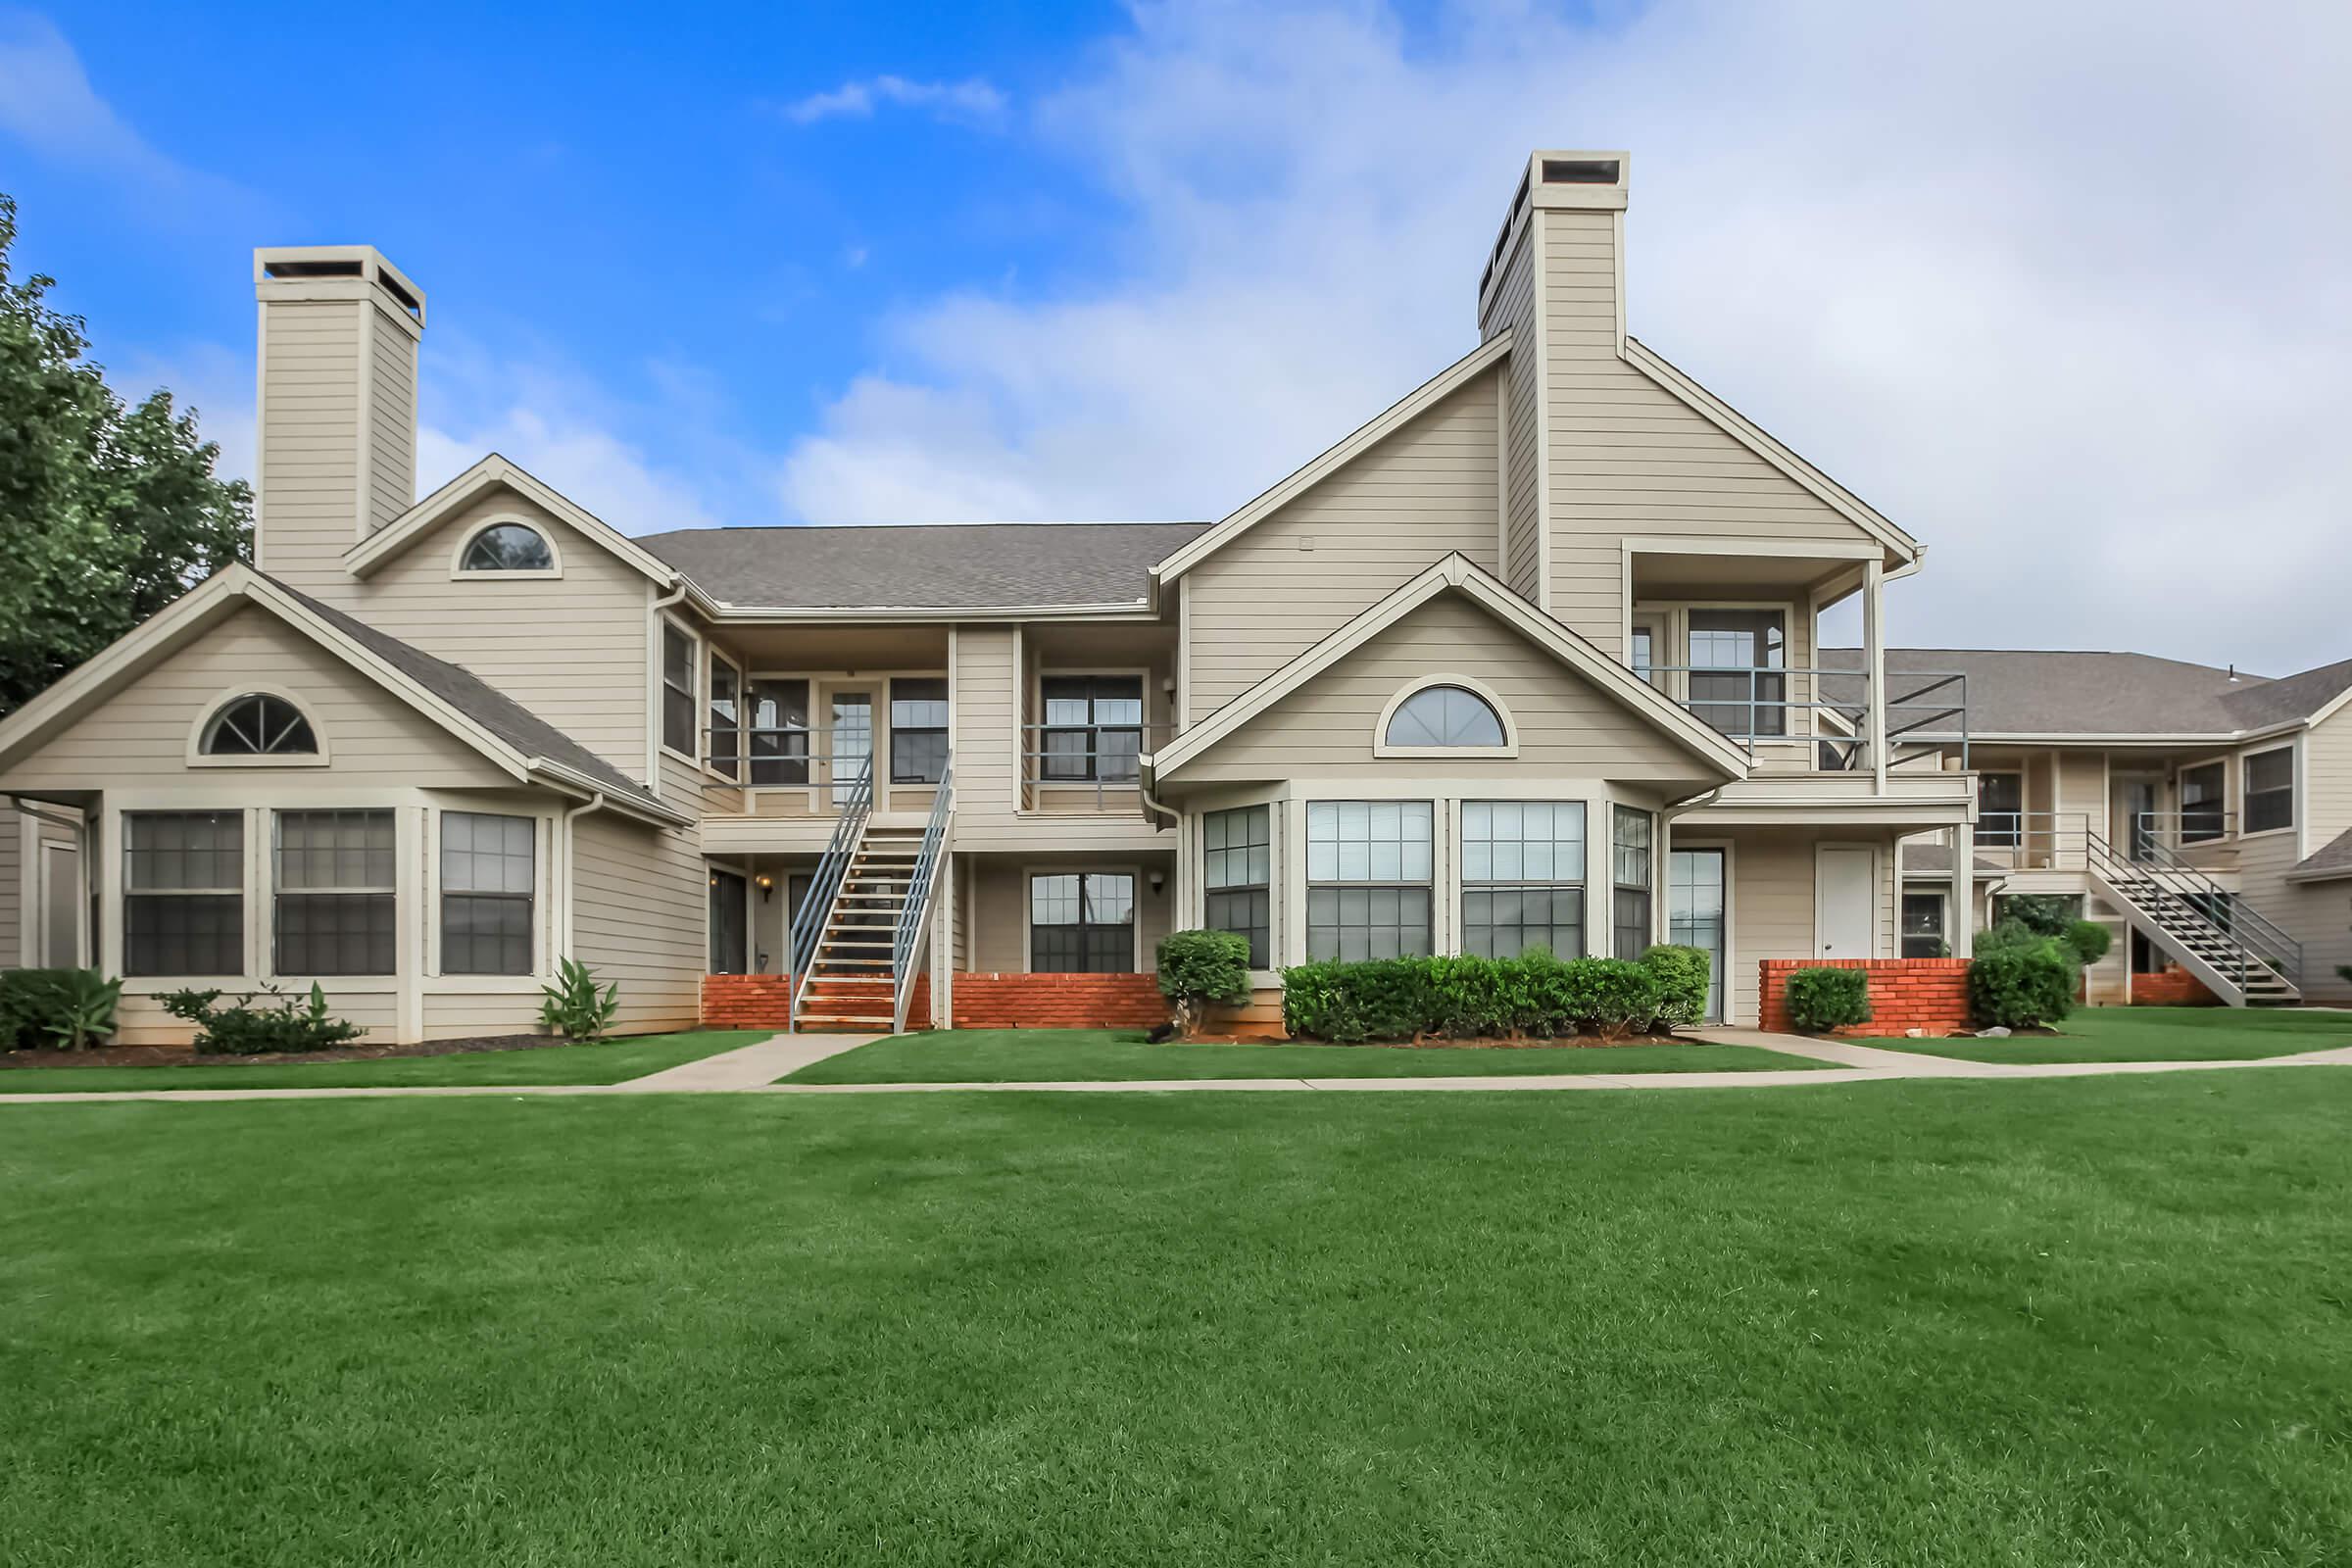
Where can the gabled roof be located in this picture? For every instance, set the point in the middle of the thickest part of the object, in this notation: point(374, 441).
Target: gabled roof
point(1459, 573)
point(925, 566)
point(2329, 862)
point(1390, 419)
point(2027, 693)
point(459, 702)
point(468, 487)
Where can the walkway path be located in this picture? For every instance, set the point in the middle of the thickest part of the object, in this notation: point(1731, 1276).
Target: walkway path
point(753, 1069)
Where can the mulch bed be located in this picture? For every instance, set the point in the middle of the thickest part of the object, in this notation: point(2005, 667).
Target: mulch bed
point(183, 1057)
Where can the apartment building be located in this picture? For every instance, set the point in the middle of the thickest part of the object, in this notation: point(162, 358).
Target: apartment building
point(1527, 658)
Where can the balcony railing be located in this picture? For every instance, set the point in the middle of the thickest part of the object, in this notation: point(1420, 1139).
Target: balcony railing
point(1926, 710)
point(799, 771)
point(2053, 840)
point(1076, 767)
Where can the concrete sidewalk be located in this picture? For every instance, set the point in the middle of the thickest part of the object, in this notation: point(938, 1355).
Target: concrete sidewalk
point(752, 1066)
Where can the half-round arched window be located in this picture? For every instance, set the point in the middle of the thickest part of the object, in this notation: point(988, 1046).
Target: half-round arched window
point(259, 724)
point(508, 547)
point(1445, 715)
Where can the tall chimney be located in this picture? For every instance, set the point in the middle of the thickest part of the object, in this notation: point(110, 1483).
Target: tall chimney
point(337, 423)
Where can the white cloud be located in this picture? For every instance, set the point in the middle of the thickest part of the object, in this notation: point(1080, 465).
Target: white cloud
point(2058, 287)
point(971, 99)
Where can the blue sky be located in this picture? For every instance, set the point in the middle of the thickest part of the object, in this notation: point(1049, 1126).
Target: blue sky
point(2056, 285)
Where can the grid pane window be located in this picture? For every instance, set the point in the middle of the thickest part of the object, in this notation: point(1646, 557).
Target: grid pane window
point(1630, 873)
point(1695, 913)
point(726, 723)
point(334, 906)
point(183, 893)
point(779, 712)
point(487, 883)
point(1082, 922)
point(918, 731)
point(1239, 872)
point(1368, 872)
point(2201, 796)
point(677, 690)
point(1746, 642)
point(1093, 727)
point(2271, 790)
point(1523, 877)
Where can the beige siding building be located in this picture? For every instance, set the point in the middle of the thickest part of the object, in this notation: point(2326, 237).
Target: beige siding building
point(1528, 657)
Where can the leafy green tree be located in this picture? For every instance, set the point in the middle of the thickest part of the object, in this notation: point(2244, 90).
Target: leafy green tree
point(108, 511)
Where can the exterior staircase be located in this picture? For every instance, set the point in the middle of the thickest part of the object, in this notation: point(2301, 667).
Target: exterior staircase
point(2235, 952)
point(852, 976)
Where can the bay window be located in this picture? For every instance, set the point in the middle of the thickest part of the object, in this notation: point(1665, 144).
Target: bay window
point(1523, 877)
point(1368, 866)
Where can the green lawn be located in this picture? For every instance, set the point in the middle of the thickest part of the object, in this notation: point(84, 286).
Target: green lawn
point(607, 1062)
point(1043, 1056)
point(2155, 1034)
point(1901, 1323)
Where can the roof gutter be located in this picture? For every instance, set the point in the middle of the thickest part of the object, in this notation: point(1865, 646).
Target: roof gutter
point(571, 781)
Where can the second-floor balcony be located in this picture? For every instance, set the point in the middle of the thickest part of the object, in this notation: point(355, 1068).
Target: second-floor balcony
point(1818, 721)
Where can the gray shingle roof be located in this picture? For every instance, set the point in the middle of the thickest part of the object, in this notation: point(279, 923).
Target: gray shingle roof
point(1936, 859)
point(476, 699)
point(991, 565)
point(2048, 692)
point(2334, 856)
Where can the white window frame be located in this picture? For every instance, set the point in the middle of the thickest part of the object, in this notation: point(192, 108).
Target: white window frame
point(457, 556)
point(1197, 833)
point(272, 821)
point(1469, 683)
point(1030, 738)
point(2245, 791)
point(198, 757)
point(1444, 832)
point(1464, 886)
point(114, 910)
point(662, 688)
point(714, 655)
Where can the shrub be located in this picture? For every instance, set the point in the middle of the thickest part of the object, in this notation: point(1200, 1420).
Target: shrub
point(2024, 985)
point(34, 1003)
point(1822, 1000)
point(1681, 975)
point(89, 1010)
point(2089, 939)
point(1200, 969)
point(2046, 915)
point(573, 1006)
point(242, 1029)
point(1406, 998)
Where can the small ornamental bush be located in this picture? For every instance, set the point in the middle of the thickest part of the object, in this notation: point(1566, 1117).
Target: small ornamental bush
point(40, 1008)
point(1470, 997)
point(1203, 969)
point(2089, 939)
point(2024, 985)
point(242, 1029)
point(1825, 999)
point(2046, 915)
point(1681, 975)
point(571, 1005)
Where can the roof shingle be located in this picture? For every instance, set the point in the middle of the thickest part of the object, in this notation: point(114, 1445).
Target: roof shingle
point(993, 565)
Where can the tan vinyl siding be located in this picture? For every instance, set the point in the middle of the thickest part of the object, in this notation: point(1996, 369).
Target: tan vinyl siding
point(982, 743)
point(2327, 801)
point(1000, 886)
point(2081, 792)
point(470, 1014)
point(1772, 872)
point(310, 446)
point(1627, 457)
point(1428, 489)
point(15, 904)
point(1514, 309)
point(638, 902)
point(140, 734)
point(570, 649)
point(391, 421)
point(1566, 726)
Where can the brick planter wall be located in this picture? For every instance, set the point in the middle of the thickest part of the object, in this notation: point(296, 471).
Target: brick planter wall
point(2174, 988)
point(982, 1002)
point(1905, 993)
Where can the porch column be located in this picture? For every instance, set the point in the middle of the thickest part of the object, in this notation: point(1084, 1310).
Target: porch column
point(1874, 655)
point(1960, 915)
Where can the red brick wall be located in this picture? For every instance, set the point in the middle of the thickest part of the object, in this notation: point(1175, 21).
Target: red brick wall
point(1905, 993)
point(982, 1002)
point(2174, 988)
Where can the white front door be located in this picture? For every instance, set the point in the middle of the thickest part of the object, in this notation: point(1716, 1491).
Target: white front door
point(1842, 897)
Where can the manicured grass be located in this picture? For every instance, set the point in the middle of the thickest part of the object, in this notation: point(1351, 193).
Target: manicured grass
point(1902, 1323)
point(2155, 1034)
point(606, 1062)
point(1043, 1055)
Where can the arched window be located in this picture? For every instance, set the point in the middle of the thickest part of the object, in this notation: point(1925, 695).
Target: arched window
point(1445, 715)
point(508, 547)
point(259, 724)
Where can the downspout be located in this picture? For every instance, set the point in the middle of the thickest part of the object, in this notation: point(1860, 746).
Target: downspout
point(567, 852)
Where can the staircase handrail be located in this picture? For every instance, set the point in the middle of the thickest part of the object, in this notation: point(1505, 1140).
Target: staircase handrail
point(824, 887)
point(2225, 911)
point(914, 915)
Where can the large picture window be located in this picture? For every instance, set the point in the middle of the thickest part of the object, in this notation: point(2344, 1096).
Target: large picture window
point(1082, 922)
point(1238, 873)
point(726, 718)
point(918, 730)
point(677, 690)
point(779, 712)
point(1743, 700)
point(1523, 878)
point(1094, 729)
point(2000, 809)
point(183, 893)
point(2269, 790)
point(2202, 792)
point(334, 905)
point(1367, 879)
point(487, 883)
point(1630, 869)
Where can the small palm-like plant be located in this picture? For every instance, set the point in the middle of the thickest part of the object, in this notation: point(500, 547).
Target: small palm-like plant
point(86, 1010)
point(573, 1008)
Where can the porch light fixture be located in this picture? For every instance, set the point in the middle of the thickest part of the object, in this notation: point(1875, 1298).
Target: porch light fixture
point(766, 885)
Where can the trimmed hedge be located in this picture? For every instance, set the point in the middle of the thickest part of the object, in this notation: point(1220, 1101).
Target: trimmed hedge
point(2024, 983)
point(1822, 1000)
point(1199, 969)
point(1681, 974)
point(1534, 995)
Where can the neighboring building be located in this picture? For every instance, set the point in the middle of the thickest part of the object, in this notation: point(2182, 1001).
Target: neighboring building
point(1528, 657)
